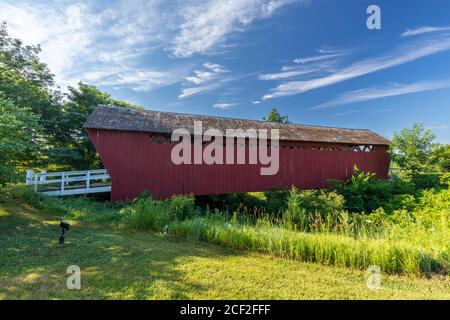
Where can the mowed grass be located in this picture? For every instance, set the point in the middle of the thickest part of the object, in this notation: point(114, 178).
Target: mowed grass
point(124, 264)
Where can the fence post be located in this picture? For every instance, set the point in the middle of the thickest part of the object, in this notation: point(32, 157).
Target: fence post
point(88, 181)
point(36, 182)
point(43, 177)
point(29, 178)
point(62, 183)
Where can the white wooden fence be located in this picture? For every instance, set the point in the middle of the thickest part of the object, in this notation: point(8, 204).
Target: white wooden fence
point(70, 182)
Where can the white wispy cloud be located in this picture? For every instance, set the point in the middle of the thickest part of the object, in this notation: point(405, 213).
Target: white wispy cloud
point(135, 78)
point(289, 72)
point(200, 77)
point(77, 38)
point(422, 30)
point(408, 52)
point(211, 71)
point(187, 92)
point(224, 105)
point(345, 113)
point(390, 90)
point(81, 39)
point(126, 54)
point(63, 32)
point(207, 24)
point(211, 77)
point(214, 67)
point(318, 58)
point(326, 62)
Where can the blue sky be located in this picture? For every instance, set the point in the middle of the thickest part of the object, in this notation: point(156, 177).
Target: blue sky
point(315, 60)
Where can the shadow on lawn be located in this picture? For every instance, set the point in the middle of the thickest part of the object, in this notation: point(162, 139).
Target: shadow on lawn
point(114, 264)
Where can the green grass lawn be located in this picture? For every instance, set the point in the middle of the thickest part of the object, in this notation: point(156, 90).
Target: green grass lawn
point(124, 264)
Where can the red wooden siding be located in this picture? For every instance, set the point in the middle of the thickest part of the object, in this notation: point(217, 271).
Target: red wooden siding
point(135, 164)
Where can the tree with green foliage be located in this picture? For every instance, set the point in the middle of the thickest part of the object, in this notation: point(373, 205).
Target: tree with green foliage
point(275, 116)
point(72, 145)
point(22, 59)
point(28, 84)
point(411, 149)
point(24, 79)
point(18, 128)
point(440, 158)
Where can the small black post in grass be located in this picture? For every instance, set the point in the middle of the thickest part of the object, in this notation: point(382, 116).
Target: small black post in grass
point(64, 225)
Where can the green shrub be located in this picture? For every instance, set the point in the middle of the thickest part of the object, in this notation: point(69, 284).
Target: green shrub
point(402, 218)
point(181, 207)
point(363, 192)
point(321, 202)
point(426, 181)
point(295, 217)
point(376, 219)
point(435, 200)
point(406, 202)
point(445, 180)
point(232, 201)
point(354, 190)
point(147, 214)
point(255, 199)
point(314, 210)
point(276, 201)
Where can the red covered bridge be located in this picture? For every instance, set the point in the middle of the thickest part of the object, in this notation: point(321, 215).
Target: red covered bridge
point(135, 147)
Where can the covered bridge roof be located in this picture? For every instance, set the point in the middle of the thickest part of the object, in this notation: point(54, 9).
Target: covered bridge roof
point(124, 119)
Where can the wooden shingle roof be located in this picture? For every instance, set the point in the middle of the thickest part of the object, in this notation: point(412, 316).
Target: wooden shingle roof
point(124, 119)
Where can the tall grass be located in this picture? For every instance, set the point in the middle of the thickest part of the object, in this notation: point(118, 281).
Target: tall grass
point(329, 249)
